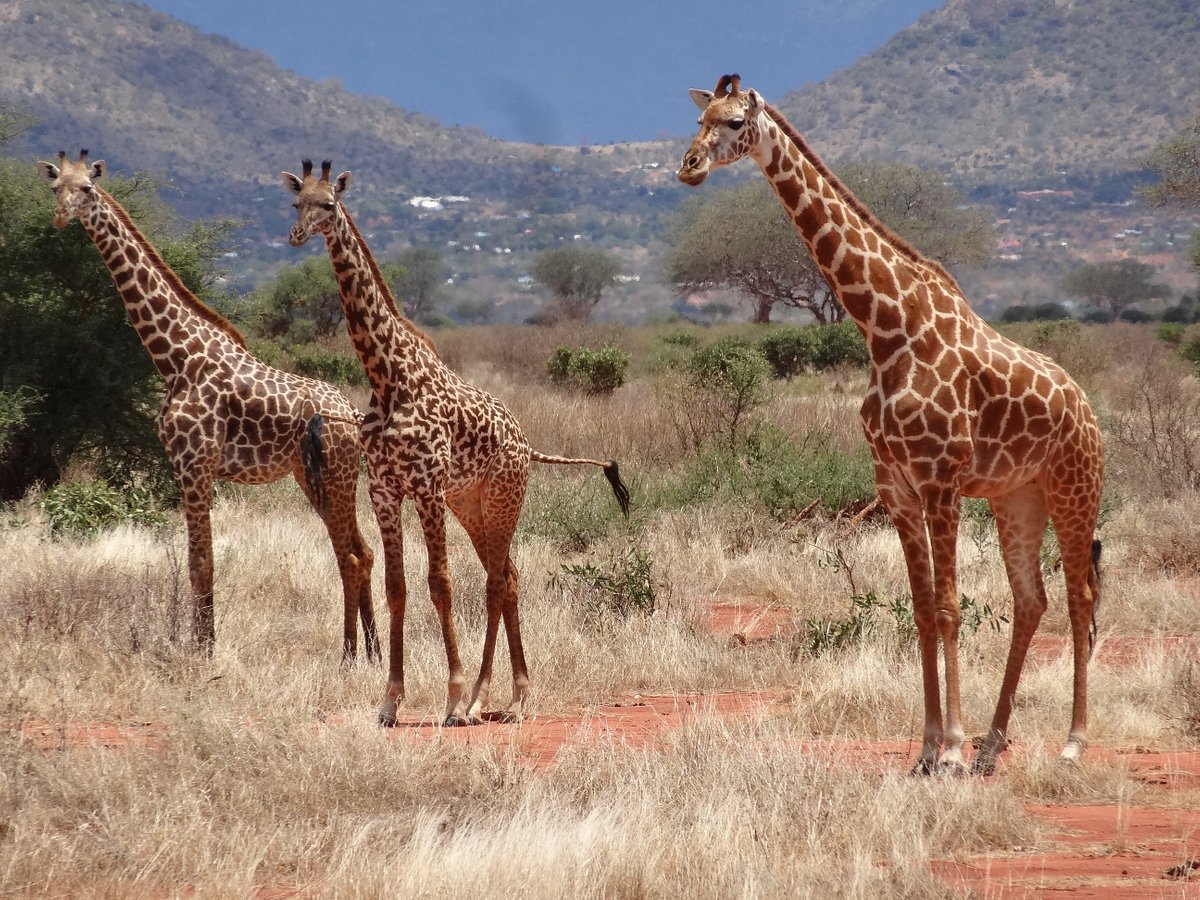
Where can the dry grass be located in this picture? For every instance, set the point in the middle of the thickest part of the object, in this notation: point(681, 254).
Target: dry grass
point(263, 767)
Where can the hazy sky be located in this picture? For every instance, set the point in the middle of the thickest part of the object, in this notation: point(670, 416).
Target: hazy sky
point(554, 71)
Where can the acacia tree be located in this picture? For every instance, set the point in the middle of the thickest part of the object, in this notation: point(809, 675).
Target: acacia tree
point(1115, 284)
point(303, 302)
point(576, 278)
point(1176, 161)
point(742, 238)
point(418, 279)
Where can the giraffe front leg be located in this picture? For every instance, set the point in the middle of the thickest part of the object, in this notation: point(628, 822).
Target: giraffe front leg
point(197, 499)
point(909, 520)
point(942, 517)
point(387, 506)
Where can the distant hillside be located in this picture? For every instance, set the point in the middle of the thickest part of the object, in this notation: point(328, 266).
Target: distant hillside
point(1002, 91)
point(150, 93)
point(1038, 109)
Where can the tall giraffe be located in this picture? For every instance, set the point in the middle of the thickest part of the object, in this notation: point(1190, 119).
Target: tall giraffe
point(225, 414)
point(430, 435)
point(953, 409)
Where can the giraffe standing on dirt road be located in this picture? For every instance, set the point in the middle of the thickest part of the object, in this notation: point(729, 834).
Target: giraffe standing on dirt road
point(225, 414)
point(432, 436)
point(953, 410)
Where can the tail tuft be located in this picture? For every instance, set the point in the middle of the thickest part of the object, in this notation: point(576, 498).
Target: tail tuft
point(622, 492)
point(312, 453)
point(1094, 585)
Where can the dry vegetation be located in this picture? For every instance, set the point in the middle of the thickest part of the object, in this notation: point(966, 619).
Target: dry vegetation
point(262, 768)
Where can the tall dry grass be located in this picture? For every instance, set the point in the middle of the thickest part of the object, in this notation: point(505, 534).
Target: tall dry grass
point(262, 767)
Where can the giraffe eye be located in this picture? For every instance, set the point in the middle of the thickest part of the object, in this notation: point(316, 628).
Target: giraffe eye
point(328, 206)
point(735, 124)
point(87, 188)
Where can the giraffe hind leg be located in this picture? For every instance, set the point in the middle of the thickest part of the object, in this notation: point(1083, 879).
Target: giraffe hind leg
point(1021, 519)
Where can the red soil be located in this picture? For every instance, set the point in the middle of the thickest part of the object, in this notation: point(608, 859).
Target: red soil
point(1084, 852)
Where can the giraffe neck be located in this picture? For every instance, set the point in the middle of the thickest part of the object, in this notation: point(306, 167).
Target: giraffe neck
point(885, 285)
point(385, 341)
point(173, 324)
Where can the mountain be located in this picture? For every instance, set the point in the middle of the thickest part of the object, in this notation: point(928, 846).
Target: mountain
point(1008, 91)
point(1039, 109)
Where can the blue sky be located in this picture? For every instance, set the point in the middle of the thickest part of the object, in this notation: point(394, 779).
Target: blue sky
point(550, 71)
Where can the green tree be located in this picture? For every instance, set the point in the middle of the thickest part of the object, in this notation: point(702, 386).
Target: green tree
point(303, 302)
point(576, 278)
point(742, 238)
point(1115, 284)
point(1176, 162)
point(420, 273)
point(924, 210)
point(75, 380)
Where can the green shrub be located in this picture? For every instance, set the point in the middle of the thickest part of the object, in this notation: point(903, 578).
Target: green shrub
point(840, 344)
point(1169, 332)
point(776, 473)
point(623, 588)
point(790, 350)
point(83, 508)
point(730, 381)
point(594, 371)
point(679, 338)
point(820, 636)
point(317, 362)
point(558, 366)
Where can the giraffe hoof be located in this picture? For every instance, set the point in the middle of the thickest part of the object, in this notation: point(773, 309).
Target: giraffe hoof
point(455, 722)
point(952, 768)
point(923, 767)
point(386, 721)
point(983, 767)
point(504, 718)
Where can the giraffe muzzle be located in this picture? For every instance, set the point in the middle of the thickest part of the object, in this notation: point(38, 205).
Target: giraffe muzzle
point(694, 170)
point(298, 235)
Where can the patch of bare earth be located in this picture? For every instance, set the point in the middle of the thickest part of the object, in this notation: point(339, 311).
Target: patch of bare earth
point(1084, 851)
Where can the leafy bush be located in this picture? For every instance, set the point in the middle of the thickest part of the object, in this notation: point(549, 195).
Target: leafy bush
point(594, 371)
point(840, 344)
point(83, 508)
point(728, 385)
point(317, 362)
point(1169, 332)
point(790, 350)
point(823, 635)
point(777, 473)
point(679, 338)
point(623, 588)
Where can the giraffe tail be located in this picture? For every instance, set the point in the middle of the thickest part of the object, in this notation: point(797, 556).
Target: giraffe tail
point(611, 472)
point(312, 454)
point(1094, 587)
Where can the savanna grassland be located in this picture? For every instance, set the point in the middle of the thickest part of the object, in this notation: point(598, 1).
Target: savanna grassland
point(132, 766)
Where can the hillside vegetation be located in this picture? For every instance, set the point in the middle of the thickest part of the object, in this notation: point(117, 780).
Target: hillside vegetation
point(1008, 90)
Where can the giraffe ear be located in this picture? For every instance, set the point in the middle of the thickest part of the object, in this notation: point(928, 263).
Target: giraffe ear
point(701, 98)
point(291, 182)
point(754, 99)
point(50, 170)
point(99, 167)
point(342, 182)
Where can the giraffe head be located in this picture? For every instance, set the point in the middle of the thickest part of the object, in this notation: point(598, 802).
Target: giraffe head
point(74, 185)
point(729, 128)
point(316, 200)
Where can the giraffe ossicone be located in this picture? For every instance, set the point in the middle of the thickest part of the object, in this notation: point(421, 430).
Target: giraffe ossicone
point(435, 438)
point(953, 409)
point(226, 414)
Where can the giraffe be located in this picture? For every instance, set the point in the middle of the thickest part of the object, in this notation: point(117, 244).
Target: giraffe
point(953, 409)
point(434, 437)
point(225, 414)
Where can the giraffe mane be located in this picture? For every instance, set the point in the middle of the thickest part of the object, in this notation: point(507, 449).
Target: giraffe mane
point(907, 250)
point(190, 300)
point(388, 297)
